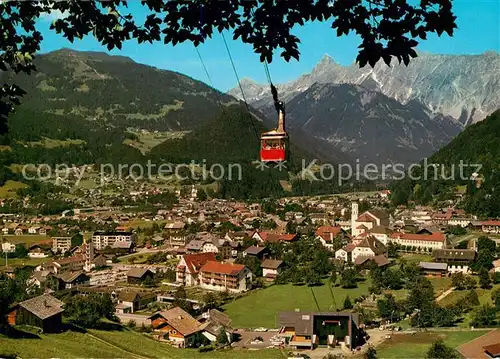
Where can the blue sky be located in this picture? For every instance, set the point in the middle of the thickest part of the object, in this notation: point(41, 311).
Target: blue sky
point(478, 31)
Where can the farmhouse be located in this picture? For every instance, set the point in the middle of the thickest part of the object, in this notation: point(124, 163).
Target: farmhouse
point(458, 260)
point(130, 301)
point(221, 277)
point(491, 226)
point(307, 330)
point(43, 312)
point(176, 326)
point(212, 322)
point(138, 275)
point(69, 280)
point(327, 234)
point(271, 268)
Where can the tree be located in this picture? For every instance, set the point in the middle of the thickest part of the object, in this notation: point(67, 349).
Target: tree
point(484, 279)
point(222, 337)
point(347, 303)
point(89, 309)
point(485, 316)
point(495, 297)
point(438, 350)
point(387, 307)
point(348, 278)
point(76, 240)
point(211, 301)
point(471, 298)
point(265, 25)
point(253, 263)
point(333, 277)
point(371, 353)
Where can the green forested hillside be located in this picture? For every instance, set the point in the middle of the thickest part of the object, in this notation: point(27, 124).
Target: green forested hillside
point(478, 144)
point(92, 108)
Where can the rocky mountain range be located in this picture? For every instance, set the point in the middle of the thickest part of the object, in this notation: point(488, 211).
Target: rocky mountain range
point(462, 86)
point(386, 114)
point(366, 124)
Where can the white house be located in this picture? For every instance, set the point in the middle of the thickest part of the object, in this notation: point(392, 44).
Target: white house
point(8, 247)
point(271, 268)
point(369, 247)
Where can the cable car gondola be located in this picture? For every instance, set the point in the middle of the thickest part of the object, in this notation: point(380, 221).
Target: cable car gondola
point(274, 143)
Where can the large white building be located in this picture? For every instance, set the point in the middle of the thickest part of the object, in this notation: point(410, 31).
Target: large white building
point(102, 240)
point(436, 240)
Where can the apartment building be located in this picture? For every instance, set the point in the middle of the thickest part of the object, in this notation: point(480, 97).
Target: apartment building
point(61, 244)
point(234, 278)
point(102, 240)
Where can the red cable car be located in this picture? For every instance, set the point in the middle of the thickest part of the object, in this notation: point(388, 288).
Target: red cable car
point(274, 143)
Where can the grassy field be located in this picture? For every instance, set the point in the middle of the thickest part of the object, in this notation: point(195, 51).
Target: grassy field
point(139, 344)
point(415, 346)
point(8, 190)
point(261, 308)
point(112, 344)
point(21, 262)
point(27, 239)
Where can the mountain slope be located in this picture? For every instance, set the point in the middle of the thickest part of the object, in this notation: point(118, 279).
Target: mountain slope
point(462, 86)
point(367, 125)
point(477, 151)
point(99, 106)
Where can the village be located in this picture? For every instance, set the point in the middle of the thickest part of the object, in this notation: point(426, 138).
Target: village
point(211, 273)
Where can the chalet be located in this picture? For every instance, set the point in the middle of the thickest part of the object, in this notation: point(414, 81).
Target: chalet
point(271, 268)
point(130, 301)
point(318, 218)
point(176, 326)
point(212, 322)
point(365, 262)
point(458, 260)
point(442, 218)
point(258, 252)
point(38, 251)
point(74, 263)
point(428, 241)
point(195, 246)
point(69, 280)
point(307, 330)
point(139, 275)
point(61, 244)
point(236, 236)
point(327, 234)
point(33, 229)
point(235, 278)
point(40, 278)
point(433, 269)
point(44, 312)
point(187, 270)
point(490, 226)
